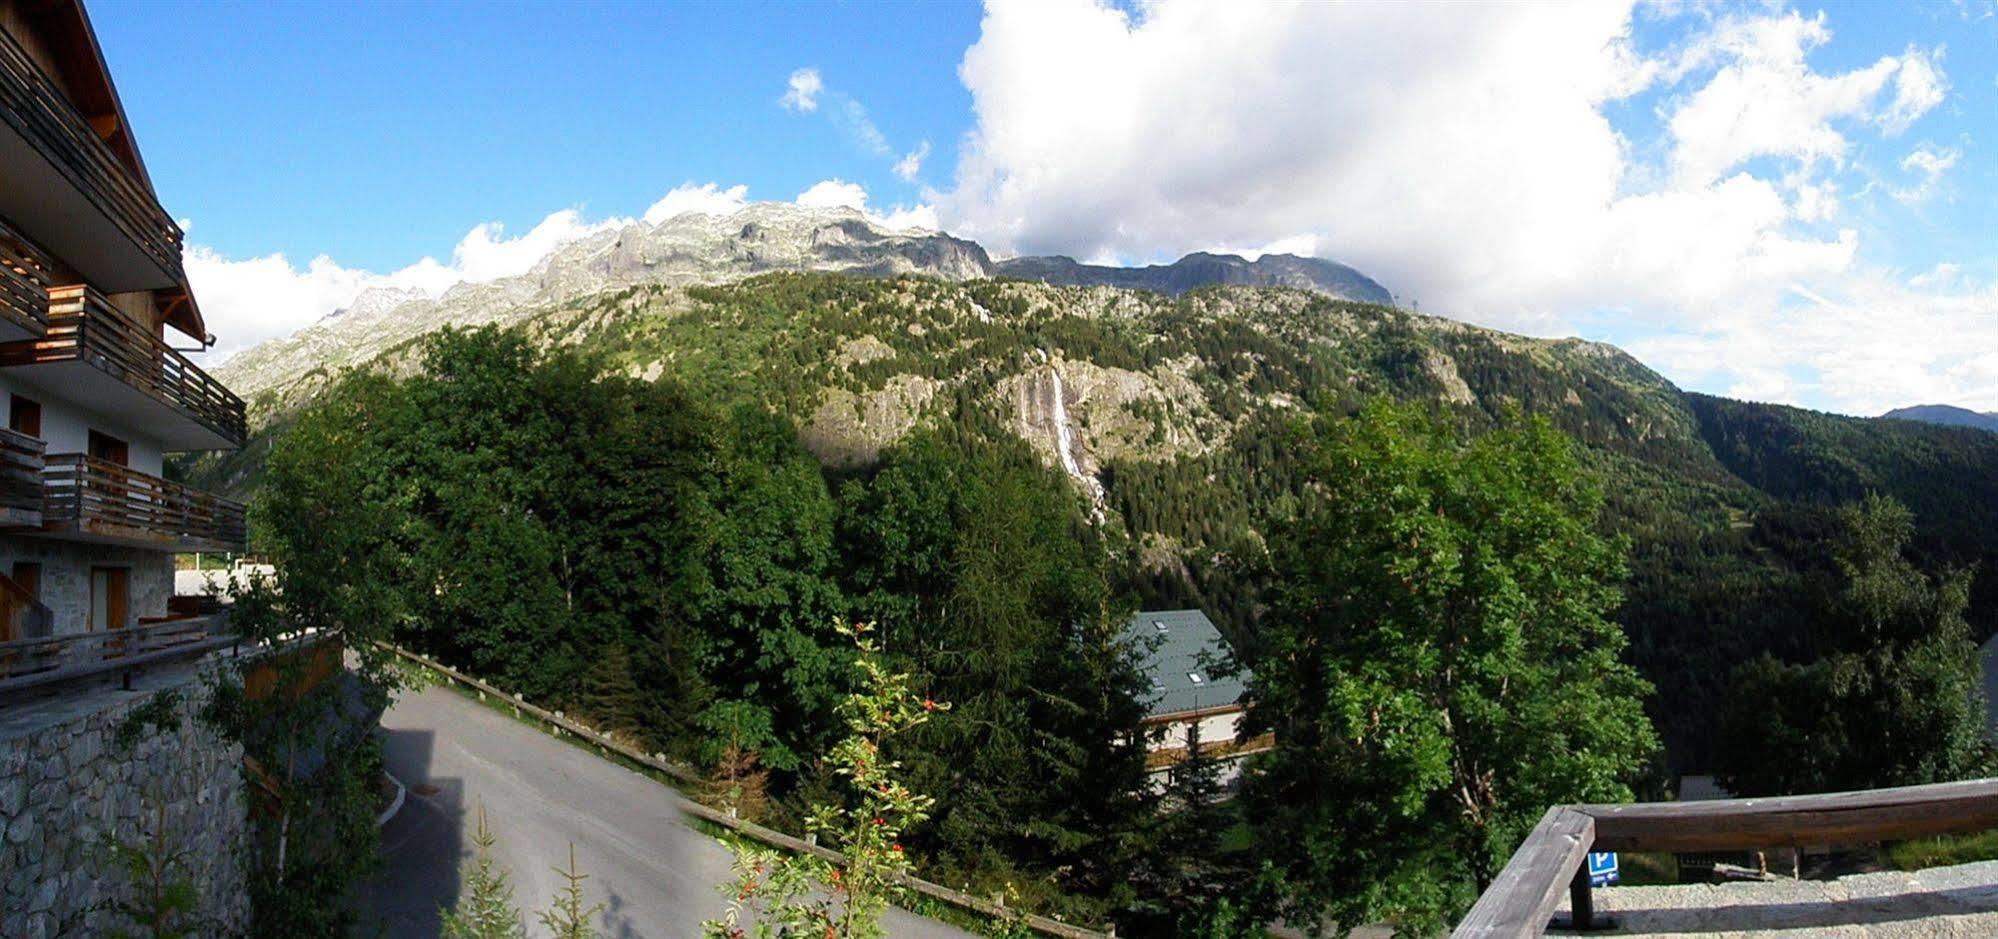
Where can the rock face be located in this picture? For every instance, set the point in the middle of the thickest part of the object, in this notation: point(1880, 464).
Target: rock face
point(693, 248)
point(68, 785)
point(1202, 269)
point(696, 248)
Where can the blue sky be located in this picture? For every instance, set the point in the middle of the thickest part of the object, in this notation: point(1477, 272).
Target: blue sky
point(380, 133)
point(1789, 203)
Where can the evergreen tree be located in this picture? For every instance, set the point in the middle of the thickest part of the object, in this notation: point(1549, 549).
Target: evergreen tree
point(1890, 695)
point(1438, 666)
point(567, 917)
point(485, 909)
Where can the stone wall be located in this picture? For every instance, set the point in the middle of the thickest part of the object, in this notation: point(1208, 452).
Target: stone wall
point(67, 783)
point(65, 576)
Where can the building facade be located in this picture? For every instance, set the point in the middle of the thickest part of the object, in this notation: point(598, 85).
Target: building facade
point(1196, 694)
point(96, 324)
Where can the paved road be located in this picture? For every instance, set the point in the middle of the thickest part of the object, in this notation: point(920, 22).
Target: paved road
point(657, 876)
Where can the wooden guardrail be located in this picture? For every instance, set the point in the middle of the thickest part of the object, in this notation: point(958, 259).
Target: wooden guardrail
point(1523, 897)
point(22, 459)
point(33, 663)
point(83, 326)
point(24, 281)
point(747, 829)
point(86, 494)
point(39, 111)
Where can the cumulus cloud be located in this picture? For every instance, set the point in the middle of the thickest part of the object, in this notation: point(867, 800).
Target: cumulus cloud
point(801, 92)
point(1468, 162)
point(249, 300)
point(706, 199)
point(911, 163)
point(838, 193)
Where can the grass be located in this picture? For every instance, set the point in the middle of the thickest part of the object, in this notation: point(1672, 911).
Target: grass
point(1943, 851)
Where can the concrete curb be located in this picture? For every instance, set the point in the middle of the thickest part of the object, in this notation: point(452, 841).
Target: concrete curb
point(395, 804)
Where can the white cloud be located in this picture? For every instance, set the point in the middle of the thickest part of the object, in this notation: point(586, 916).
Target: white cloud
point(707, 199)
point(1467, 162)
point(833, 193)
point(806, 87)
point(802, 91)
point(1927, 162)
point(838, 193)
point(911, 163)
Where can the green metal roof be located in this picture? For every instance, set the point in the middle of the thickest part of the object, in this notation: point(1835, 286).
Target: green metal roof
point(1180, 651)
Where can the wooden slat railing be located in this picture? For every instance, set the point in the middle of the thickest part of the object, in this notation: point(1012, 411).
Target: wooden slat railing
point(1521, 900)
point(90, 496)
point(84, 327)
point(25, 662)
point(41, 113)
point(24, 281)
point(21, 463)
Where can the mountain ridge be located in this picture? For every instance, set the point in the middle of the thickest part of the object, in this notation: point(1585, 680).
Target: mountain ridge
point(1946, 415)
point(700, 248)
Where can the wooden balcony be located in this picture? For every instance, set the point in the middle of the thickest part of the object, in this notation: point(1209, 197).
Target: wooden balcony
point(46, 123)
point(21, 463)
point(24, 285)
point(93, 354)
point(87, 499)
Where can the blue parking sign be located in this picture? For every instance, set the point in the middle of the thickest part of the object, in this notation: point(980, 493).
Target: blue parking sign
point(1602, 868)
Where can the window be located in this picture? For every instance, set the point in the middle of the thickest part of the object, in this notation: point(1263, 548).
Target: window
point(1159, 625)
point(28, 577)
point(108, 596)
point(1195, 677)
point(24, 415)
point(110, 449)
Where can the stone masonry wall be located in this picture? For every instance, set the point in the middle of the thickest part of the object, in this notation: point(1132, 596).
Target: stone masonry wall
point(66, 784)
point(65, 584)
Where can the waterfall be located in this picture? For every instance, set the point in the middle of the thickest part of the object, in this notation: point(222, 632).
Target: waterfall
point(1065, 445)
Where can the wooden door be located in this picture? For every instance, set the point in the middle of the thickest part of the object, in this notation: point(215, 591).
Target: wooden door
point(109, 601)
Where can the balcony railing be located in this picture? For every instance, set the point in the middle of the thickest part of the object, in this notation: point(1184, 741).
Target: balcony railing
point(42, 114)
point(83, 327)
point(24, 282)
point(47, 660)
point(21, 463)
point(99, 500)
point(1524, 896)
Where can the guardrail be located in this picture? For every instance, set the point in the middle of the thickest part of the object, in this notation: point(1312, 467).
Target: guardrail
point(35, 663)
point(747, 829)
point(1522, 899)
point(39, 111)
point(93, 496)
point(22, 459)
point(83, 326)
point(24, 281)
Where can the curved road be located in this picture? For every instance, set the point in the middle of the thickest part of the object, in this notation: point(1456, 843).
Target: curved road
point(657, 877)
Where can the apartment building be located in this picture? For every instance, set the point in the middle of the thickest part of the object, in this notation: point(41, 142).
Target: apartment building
point(96, 326)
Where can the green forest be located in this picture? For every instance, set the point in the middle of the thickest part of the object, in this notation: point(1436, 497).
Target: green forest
point(651, 508)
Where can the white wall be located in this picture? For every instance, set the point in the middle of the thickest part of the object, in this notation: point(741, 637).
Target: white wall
point(1214, 728)
point(66, 427)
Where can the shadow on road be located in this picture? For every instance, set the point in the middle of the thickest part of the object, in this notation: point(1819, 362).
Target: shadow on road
point(420, 845)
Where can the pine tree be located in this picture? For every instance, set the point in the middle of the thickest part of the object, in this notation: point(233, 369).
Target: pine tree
point(569, 918)
point(611, 696)
point(487, 911)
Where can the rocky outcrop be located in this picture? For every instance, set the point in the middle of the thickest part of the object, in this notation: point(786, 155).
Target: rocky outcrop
point(693, 248)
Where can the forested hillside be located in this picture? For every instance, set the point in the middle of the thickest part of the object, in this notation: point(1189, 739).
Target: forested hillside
point(1167, 414)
